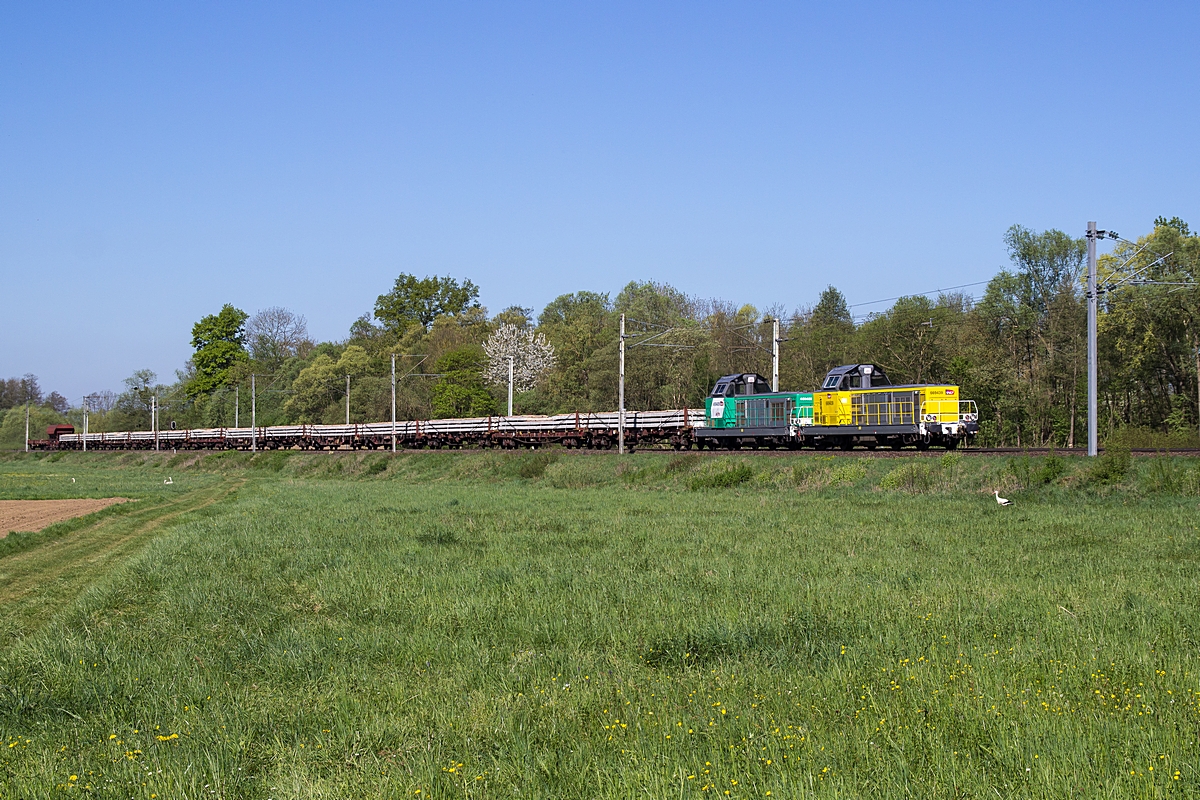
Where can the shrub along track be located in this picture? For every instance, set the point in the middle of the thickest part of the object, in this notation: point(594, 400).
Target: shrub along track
point(35, 583)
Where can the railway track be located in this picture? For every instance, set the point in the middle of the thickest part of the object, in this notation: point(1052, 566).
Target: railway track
point(765, 453)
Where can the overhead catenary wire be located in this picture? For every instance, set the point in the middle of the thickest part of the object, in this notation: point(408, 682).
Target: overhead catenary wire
point(920, 294)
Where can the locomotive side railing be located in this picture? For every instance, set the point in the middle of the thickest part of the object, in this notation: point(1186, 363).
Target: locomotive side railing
point(895, 412)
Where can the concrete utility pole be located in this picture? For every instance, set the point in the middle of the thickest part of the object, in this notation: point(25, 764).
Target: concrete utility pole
point(621, 393)
point(775, 355)
point(1092, 233)
point(26, 424)
point(253, 417)
point(510, 384)
point(236, 402)
point(154, 418)
point(347, 399)
point(87, 402)
point(393, 404)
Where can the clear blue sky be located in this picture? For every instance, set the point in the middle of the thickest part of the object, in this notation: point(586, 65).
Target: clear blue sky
point(159, 160)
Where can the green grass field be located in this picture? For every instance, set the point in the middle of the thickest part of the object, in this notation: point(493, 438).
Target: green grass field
point(454, 625)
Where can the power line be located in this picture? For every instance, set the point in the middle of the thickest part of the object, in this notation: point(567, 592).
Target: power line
point(919, 294)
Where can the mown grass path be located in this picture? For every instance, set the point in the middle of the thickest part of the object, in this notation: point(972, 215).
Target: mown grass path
point(39, 582)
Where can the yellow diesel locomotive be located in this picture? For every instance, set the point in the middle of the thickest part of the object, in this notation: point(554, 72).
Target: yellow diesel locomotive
point(858, 405)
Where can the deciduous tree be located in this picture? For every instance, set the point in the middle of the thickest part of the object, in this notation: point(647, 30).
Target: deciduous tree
point(220, 342)
point(460, 392)
point(422, 300)
point(275, 334)
point(532, 356)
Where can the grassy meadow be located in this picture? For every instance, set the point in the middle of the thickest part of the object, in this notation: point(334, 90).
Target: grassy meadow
point(542, 625)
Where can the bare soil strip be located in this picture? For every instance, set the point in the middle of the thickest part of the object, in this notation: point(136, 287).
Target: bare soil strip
point(33, 515)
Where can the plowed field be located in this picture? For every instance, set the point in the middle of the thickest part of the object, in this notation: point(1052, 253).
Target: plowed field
point(33, 515)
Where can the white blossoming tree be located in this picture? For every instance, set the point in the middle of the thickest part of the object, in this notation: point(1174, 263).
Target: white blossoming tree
point(528, 353)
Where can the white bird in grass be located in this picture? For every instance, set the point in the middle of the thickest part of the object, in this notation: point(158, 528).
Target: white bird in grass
point(1000, 499)
point(168, 482)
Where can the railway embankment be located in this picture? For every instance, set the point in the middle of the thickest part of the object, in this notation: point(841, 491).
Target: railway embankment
point(1115, 472)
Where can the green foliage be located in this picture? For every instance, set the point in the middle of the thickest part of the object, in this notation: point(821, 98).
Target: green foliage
point(534, 465)
point(461, 392)
point(12, 425)
point(1141, 437)
point(685, 463)
point(1032, 472)
point(423, 300)
point(915, 477)
point(733, 475)
point(377, 466)
point(917, 351)
point(582, 330)
point(18, 391)
point(313, 388)
point(219, 343)
point(848, 473)
point(660, 377)
point(951, 464)
point(1177, 224)
point(1111, 466)
point(270, 461)
point(323, 382)
point(832, 310)
point(1050, 262)
point(922, 475)
point(1149, 335)
point(806, 468)
point(1163, 476)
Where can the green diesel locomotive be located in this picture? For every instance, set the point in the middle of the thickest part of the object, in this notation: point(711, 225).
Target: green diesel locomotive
point(742, 410)
point(856, 406)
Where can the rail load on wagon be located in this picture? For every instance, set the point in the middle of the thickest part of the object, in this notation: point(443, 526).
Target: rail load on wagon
point(858, 405)
point(580, 430)
point(742, 411)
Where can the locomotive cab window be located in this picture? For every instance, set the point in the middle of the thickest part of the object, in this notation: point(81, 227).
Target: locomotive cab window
point(832, 382)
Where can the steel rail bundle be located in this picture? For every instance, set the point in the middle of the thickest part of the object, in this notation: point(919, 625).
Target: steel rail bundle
point(579, 430)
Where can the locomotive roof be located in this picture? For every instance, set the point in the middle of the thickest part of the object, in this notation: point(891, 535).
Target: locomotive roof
point(846, 368)
point(735, 376)
point(873, 374)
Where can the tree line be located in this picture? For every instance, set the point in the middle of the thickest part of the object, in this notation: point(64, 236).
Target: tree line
point(1019, 350)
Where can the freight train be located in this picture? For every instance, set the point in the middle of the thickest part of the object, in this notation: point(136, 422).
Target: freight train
point(594, 431)
point(856, 406)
